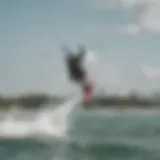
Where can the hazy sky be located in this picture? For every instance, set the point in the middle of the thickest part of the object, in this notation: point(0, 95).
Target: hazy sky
point(124, 35)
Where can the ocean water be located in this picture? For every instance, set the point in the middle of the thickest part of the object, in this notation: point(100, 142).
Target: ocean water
point(91, 135)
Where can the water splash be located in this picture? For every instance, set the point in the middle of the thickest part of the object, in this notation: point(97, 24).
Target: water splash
point(56, 121)
point(47, 122)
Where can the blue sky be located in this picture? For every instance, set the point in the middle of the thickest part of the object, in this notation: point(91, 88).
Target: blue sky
point(124, 35)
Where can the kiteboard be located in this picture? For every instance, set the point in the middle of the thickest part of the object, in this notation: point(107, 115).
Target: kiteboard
point(88, 93)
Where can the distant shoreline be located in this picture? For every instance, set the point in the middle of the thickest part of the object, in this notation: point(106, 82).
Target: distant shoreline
point(122, 102)
point(30, 101)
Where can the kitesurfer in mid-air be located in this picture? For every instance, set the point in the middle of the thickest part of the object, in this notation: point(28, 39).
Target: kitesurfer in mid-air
point(77, 72)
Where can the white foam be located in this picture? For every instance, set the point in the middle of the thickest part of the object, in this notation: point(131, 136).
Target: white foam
point(53, 122)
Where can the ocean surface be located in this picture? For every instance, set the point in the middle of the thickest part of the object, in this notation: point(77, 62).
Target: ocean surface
point(88, 135)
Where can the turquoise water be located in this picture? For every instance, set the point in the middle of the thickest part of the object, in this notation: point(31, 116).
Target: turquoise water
point(94, 136)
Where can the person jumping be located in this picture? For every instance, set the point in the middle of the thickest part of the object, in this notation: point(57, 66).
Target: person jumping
point(77, 71)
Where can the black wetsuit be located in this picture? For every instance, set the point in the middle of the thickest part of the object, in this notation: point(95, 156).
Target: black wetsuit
point(74, 64)
point(75, 68)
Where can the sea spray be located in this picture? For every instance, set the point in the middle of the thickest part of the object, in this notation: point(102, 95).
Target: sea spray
point(48, 122)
